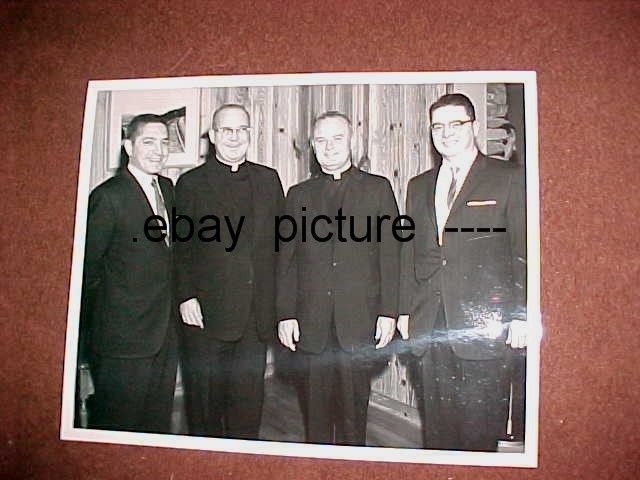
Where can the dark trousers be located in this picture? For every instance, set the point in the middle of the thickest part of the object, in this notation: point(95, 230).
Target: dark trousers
point(518, 362)
point(135, 393)
point(224, 384)
point(463, 403)
point(335, 394)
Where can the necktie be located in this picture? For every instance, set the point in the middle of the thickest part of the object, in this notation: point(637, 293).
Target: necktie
point(162, 210)
point(451, 195)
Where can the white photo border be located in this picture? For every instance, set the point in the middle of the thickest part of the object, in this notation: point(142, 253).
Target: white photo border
point(528, 458)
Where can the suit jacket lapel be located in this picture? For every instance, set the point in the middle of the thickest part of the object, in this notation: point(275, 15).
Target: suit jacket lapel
point(470, 184)
point(142, 202)
point(138, 192)
point(167, 196)
point(430, 195)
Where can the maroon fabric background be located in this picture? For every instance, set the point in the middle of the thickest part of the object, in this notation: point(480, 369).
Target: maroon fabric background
point(586, 56)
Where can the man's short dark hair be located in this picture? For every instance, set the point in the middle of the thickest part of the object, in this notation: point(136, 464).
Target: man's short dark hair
point(454, 100)
point(139, 121)
point(329, 114)
point(225, 107)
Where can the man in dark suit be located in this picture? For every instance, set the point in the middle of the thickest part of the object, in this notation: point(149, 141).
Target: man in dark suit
point(463, 283)
point(226, 287)
point(336, 295)
point(127, 291)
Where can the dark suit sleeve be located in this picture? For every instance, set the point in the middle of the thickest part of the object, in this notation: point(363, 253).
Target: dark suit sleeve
point(287, 269)
point(184, 255)
point(279, 208)
point(408, 283)
point(389, 255)
point(517, 228)
point(100, 228)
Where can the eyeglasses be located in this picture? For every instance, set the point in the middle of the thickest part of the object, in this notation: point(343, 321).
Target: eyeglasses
point(228, 132)
point(455, 126)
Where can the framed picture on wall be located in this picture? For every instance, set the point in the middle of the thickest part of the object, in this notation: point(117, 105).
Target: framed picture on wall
point(179, 107)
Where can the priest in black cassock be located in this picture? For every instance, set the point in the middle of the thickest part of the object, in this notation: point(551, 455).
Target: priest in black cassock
point(226, 286)
point(337, 293)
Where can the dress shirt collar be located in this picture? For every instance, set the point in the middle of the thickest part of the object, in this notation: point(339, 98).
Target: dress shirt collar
point(462, 163)
point(143, 178)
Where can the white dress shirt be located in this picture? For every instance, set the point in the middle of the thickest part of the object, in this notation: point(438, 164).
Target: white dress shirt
point(442, 189)
point(145, 180)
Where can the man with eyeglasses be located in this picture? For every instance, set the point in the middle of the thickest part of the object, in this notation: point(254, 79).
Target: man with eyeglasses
point(227, 295)
point(337, 296)
point(463, 283)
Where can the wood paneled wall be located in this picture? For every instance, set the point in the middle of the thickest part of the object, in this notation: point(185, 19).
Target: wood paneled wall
point(100, 149)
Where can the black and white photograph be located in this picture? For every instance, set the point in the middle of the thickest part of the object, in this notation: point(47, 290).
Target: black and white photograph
point(325, 265)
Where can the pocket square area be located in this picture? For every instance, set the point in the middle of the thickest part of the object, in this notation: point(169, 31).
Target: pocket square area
point(480, 203)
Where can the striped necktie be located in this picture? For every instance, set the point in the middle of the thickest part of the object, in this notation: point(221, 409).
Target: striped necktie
point(451, 195)
point(162, 210)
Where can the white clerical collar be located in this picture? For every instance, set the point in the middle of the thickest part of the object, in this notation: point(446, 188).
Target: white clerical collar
point(234, 166)
point(143, 178)
point(337, 174)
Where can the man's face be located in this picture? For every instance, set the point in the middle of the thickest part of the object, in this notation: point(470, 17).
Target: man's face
point(452, 131)
point(150, 148)
point(230, 134)
point(332, 143)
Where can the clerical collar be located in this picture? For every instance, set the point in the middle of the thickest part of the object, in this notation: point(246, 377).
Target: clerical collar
point(142, 177)
point(233, 166)
point(338, 174)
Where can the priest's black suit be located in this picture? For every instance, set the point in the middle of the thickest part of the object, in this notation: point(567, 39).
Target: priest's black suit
point(224, 362)
point(128, 317)
point(336, 290)
point(459, 296)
